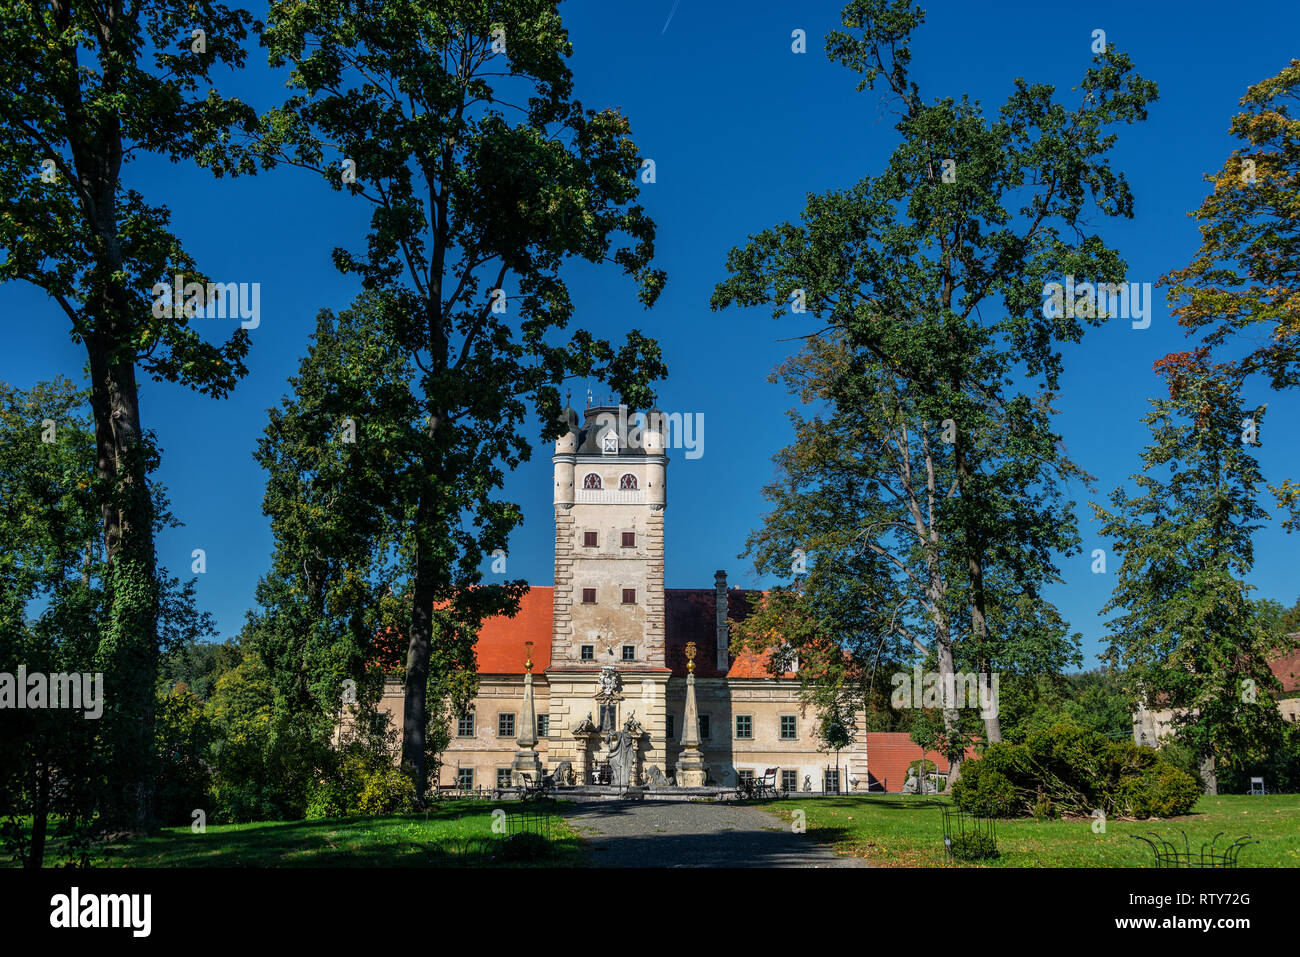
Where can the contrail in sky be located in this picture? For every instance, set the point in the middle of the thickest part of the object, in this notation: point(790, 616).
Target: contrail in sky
point(670, 17)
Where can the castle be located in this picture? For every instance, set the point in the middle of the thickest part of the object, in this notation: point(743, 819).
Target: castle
point(609, 651)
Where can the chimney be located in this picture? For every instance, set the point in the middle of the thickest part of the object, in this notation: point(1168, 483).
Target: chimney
point(720, 602)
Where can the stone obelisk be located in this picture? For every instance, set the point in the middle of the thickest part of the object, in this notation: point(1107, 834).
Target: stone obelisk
point(691, 769)
point(526, 760)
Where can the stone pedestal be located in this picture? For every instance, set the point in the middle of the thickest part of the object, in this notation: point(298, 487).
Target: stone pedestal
point(692, 771)
point(585, 733)
point(689, 776)
point(526, 759)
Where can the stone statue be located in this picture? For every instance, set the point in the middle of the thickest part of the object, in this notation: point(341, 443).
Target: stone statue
point(655, 777)
point(622, 754)
point(632, 726)
point(913, 785)
point(562, 775)
point(610, 682)
point(909, 786)
point(807, 782)
point(585, 726)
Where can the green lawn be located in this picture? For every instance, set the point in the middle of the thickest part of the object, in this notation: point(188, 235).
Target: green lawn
point(908, 832)
point(455, 834)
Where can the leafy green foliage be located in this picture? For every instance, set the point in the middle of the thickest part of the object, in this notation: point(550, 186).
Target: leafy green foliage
point(1241, 282)
point(933, 285)
point(480, 167)
point(89, 87)
point(54, 592)
point(184, 777)
point(1069, 770)
point(1186, 631)
point(1094, 700)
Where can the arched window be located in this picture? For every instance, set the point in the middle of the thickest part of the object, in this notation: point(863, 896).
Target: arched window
point(592, 481)
point(627, 483)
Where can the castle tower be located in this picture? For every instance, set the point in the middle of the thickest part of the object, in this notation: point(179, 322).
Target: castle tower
point(610, 494)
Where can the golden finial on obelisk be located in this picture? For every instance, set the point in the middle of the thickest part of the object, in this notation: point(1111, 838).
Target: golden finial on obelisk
point(528, 656)
point(690, 657)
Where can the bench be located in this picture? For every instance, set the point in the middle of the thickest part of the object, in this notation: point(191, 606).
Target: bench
point(529, 789)
point(749, 786)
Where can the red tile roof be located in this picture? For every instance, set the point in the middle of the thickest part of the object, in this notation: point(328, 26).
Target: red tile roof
point(500, 647)
point(690, 614)
point(890, 752)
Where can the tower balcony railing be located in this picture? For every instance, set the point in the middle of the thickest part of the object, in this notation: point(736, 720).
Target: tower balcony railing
point(610, 496)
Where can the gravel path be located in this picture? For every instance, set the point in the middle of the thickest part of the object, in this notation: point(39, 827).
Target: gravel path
point(690, 834)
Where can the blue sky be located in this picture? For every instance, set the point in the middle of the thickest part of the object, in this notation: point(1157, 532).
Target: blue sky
point(740, 129)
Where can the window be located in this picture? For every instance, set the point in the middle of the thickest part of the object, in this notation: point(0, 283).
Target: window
point(465, 726)
point(627, 483)
point(704, 726)
point(746, 775)
point(543, 725)
point(505, 725)
point(589, 596)
point(629, 596)
point(592, 481)
point(629, 652)
point(465, 778)
point(590, 539)
point(744, 726)
point(503, 777)
point(629, 539)
point(608, 717)
point(609, 443)
point(788, 727)
point(588, 653)
point(831, 784)
point(789, 780)
point(670, 726)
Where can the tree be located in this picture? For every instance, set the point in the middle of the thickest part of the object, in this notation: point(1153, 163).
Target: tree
point(1244, 279)
point(48, 565)
point(971, 215)
point(1186, 630)
point(54, 762)
point(87, 88)
point(864, 500)
point(456, 122)
point(339, 513)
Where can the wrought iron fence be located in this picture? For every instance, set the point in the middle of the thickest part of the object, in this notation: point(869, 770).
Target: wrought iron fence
point(969, 837)
point(1168, 854)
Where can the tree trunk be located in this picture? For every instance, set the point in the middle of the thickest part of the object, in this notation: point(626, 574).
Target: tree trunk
point(128, 647)
point(1209, 776)
point(951, 719)
point(975, 567)
point(414, 707)
point(40, 817)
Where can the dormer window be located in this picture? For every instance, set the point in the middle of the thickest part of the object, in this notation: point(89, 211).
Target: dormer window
point(591, 481)
point(609, 443)
point(627, 483)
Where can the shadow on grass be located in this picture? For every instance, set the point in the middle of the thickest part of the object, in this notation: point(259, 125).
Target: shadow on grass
point(442, 837)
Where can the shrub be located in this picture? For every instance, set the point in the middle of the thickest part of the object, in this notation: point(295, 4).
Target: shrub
point(1066, 769)
point(973, 846)
point(361, 783)
point(1160, 791)
point(525, 847)
point(983, 789)
point(387, 790)
point(183, 776)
